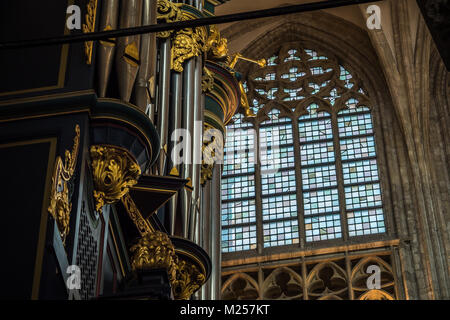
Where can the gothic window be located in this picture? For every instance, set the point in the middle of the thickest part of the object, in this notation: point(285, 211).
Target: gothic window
point(304, 170)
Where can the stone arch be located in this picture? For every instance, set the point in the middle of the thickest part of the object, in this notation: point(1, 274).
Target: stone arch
point(240, 286)
point(283, 283)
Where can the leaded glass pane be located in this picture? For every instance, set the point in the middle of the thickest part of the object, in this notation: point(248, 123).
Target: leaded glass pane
point(238, 239)
point(276, 158)
point(357, 148)
point(362, 196)
point(317, 153)
point(365, 222)
point(360, 171)
point(319, 177)
point(279, 207)
point(238, 187)
point(238, 212)
point(323, 228)
point(279, 182)
point(280, 233)
point(321, 201)
point(315, 130)
point(354, 125)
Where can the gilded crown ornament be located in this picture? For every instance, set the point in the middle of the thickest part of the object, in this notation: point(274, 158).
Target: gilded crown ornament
point(114, 171)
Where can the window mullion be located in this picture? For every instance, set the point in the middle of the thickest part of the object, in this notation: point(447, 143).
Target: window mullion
point(339, 175)
point(299, 184)
point(258, 193)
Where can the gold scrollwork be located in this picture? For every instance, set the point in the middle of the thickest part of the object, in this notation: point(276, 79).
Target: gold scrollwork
point(217, 45)
point(114, 171)
point(375, 294)
point(60, 206)
point(207, 80)
point(89, 26)
point(135, 215)
point(167, 12)
point(187, 43)
point(155, 250)
point(188, 280)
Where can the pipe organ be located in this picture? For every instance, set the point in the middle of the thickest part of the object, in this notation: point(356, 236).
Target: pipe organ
point(129, 143)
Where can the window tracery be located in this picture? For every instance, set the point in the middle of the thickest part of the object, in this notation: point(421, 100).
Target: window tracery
point(312, 132)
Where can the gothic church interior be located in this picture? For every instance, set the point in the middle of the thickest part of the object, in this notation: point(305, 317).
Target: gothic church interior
point(286, 157)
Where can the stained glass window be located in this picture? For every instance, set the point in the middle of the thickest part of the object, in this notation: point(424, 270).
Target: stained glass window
point(308, 170)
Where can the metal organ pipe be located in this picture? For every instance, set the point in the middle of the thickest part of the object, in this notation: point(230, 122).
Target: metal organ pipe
point(145, 84)
point(108, 21)
point(127, 59)
point(175, 123)
point(163, 111)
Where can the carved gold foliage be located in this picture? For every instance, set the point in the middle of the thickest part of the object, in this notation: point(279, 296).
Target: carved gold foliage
point(207, 80)
point(217, 45)
point(212, 149)
point(167, 12)
point(60, 206)
point(154, 250)
point(188, 280)
point(89, 26)
point(187, 43)
point(114, 171)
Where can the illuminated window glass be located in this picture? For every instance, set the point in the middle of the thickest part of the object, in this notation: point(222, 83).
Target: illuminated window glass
point(238, 212)
point(280, 233)
point(366, 222)
point(279, 182)
point(326, 227)
point(310, 142)
point(239, 238)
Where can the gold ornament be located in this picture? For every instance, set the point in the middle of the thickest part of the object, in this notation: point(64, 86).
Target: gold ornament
point(187, 43)
point(217, 45)
point(188, 280)
point(167, 12)
point(154, 250)
point(114, 171)
point(135, 215)
point(376, 295)
point(60, 206)
point(212, 149)
point(88, 27)
point(207, 80)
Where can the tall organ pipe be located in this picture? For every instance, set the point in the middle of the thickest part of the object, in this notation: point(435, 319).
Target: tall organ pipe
point(145, 84)
point(108, 21)
point(215, 234)
point(127, 59)
point(188, 124)
point(175, 123)
point(163, 112)
point(197, 142)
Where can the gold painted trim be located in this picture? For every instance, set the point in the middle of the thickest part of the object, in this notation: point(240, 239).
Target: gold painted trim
point(44, 214)
point(61, 72)
point(60, 206)
point(310, 252)
point(153, 189)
